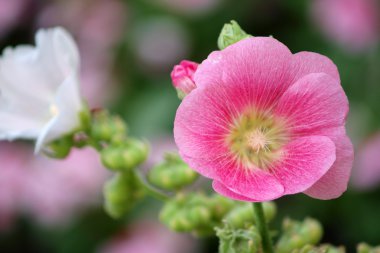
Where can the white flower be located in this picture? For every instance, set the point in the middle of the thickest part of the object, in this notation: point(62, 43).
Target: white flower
point(39, 88)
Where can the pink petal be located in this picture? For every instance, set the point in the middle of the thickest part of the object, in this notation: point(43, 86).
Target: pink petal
point(304, 63)
point(305, 161)
point(335, 181)
point(315, 101)
point(225, 191)
point(247, 185)
point(259, 65)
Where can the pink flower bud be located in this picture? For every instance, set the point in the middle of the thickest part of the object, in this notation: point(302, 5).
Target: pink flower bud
point(182, 77)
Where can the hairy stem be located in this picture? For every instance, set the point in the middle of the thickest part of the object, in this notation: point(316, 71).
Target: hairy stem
point(262, 227)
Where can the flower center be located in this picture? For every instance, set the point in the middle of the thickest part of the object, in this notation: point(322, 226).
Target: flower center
point(255, 139)
point(53, 109)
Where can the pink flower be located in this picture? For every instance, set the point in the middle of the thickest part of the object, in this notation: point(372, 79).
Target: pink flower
point(263, 123)
point(352, 23)
point(183, 77)
point(366, 173)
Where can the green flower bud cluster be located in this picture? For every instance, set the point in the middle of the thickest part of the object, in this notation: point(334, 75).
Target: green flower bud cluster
point(296, 235)
point(121, 154)
point(234, 240)
point(365, 248)
point(125, 156)
point(242, 214)
point(199, 214)
point(324, 248)
point(107, 128)
point(230, 34)
point(172, 174)
point(121, 192)
point(194, 213)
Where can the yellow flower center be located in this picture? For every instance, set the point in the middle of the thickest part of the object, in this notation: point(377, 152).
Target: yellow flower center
point(256, 138)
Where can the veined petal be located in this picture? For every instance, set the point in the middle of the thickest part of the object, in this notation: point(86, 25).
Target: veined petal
point(304, 63)
point(335, 181)
point(305, 160)
point(258, 65)
point(315, 101)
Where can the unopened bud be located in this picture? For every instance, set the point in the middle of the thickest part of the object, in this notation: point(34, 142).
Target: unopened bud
point(187, 213)
point(232, 240)
point(172, 174)
point(220, 206)
point(120, 194)
point(365, 248)
point(105, 127)
point(242, 215)
point(60, 148)
point(183, 77)
point(230, 34)
point(125, 157)
point(299, 234)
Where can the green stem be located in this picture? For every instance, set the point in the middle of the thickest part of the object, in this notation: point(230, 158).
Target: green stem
point(150, 189)
point(262, 227)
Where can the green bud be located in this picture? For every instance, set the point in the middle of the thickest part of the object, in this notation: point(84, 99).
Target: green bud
point(242, 215)
point(325, 248)
point(120, 194)
point(106, 127)
point(365, 248)
point(230, 34)
point(299, 234)
point(233, 240)
point(60, 148)
point(220, 206)
point(188, 213)
point(172, 174)
point(126, 157)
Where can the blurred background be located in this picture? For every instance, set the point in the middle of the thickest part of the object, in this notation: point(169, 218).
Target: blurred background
point(128, 48)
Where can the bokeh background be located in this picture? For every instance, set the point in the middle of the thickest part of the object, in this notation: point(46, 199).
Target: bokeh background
point(128, 48)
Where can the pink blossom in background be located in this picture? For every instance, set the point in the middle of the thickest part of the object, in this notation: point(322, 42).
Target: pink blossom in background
point(58, 190)
point(10, 14)
point(13, 175)
point(183, 76)
point(366, 172)
point(51, 192)
point(159, 43)
point(263, 123)
point(352, 23)
point(192, 7)
point(149, 237)
point(97, 27)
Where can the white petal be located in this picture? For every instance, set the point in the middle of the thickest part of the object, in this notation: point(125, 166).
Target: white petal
point(31, 78)
point(67, 107)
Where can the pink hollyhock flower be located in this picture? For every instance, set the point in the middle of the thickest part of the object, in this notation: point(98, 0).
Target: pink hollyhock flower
point(183, 77)
point(263, 123)
point(352, 23)
point(160, 240)
point(366, 173)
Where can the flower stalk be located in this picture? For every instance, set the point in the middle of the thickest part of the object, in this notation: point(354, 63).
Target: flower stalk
point(261, 224)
